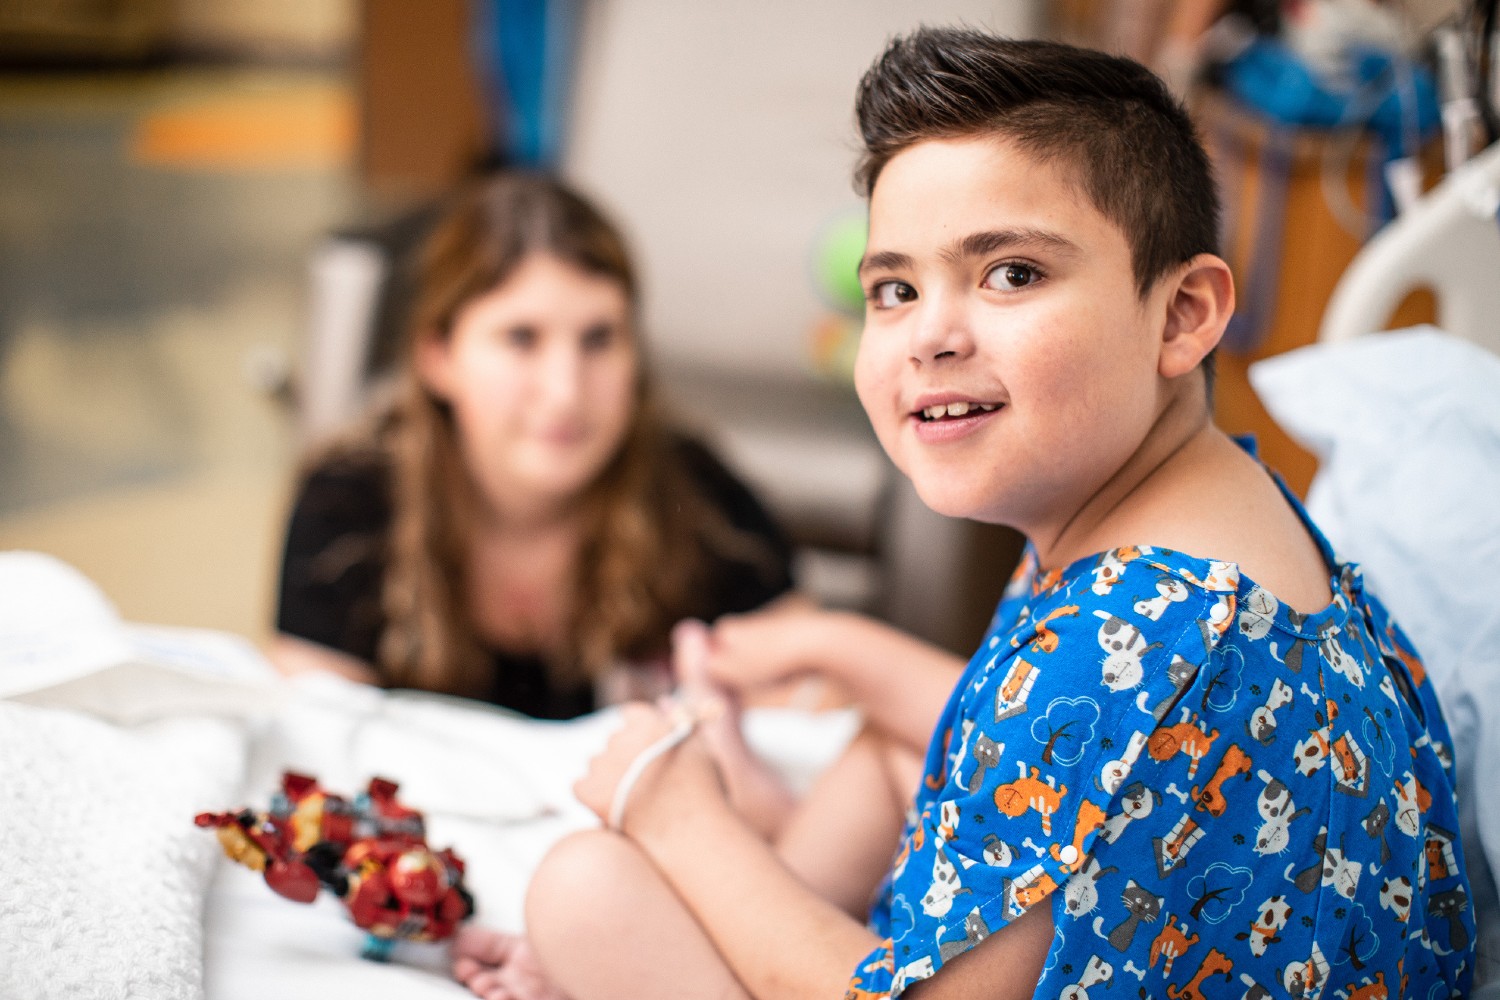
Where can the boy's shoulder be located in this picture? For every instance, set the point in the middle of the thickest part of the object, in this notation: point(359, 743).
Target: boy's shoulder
point(1079, 670)
point(1039, 744)
point(1137, 572)
point(1083, 665)
point(1134, 612)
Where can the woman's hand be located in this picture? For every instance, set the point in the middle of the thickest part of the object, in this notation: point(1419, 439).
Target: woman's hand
point(767, 647)
point(684, 777)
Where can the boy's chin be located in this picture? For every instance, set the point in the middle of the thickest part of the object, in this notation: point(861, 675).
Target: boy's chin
point(950, 501)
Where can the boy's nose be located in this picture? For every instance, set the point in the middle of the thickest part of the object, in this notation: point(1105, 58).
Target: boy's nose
point(942, 334)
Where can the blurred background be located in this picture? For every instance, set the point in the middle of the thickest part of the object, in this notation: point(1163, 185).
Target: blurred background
point(203, 207)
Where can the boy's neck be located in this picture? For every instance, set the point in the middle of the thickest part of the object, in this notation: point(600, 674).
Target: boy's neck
point(1183, 437)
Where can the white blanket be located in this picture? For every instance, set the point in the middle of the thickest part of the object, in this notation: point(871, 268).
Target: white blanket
point(102, 873)
point(493, 786)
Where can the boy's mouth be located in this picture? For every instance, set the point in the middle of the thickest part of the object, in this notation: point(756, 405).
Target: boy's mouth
point(954, 411)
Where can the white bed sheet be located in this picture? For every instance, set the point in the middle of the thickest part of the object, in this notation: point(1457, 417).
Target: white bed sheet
point(495, 787)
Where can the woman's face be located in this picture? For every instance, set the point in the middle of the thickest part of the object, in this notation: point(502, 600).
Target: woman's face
point(540, 373)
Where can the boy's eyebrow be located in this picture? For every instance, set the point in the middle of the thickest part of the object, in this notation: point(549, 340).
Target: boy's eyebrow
point(885, 260)
point(990, 241)
point(975, 245)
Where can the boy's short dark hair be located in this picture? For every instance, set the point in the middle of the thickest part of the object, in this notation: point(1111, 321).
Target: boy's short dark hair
point(1105, 119)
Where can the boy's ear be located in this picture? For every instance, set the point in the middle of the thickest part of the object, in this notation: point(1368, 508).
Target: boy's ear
point(432, 359)
point(1198, 309)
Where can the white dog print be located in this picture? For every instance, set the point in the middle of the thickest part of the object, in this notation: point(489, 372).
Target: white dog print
point(1278, 810)
point(1123, 646)
point(1169, 590)
point(945, 886)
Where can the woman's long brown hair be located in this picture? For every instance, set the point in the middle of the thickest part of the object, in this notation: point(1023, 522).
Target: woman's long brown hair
point(637, 569)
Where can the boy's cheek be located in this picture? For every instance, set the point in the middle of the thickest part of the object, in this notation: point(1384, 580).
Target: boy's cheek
point(871, 381)
point(879, 405)
point(863, 383)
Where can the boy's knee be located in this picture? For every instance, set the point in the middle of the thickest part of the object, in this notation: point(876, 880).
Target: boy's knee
point(574, 883)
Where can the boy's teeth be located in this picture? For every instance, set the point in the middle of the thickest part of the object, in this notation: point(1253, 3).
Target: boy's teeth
point(942, 410)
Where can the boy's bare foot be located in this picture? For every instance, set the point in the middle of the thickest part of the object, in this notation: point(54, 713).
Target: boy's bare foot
point(757, 792)
point(499, 966)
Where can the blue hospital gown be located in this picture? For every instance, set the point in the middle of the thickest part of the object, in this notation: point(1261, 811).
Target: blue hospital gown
point(1217, 796)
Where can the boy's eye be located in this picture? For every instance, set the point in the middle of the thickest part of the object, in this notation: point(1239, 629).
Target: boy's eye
point(598, 337)
point(1011, 275)
point(889, 294)
point(523, 337)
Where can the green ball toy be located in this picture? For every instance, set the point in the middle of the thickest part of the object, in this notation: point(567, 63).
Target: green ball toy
point(840, 247)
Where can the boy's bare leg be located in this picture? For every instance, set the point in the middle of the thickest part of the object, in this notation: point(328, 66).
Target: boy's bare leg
point(598, 888)
point(605, 924)
point(602, 923)
point(841, 838)
point(839, 841)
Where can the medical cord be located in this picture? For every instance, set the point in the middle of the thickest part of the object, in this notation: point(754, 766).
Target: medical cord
point(683, 728)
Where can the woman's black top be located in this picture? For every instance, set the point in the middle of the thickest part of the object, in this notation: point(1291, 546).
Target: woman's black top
point(335, 561)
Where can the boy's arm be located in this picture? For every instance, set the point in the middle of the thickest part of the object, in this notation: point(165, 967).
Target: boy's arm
point(1004, 966)
point(900, 682)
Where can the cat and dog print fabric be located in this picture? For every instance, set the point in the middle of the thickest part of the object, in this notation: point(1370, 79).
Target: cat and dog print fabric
point(1216, 795)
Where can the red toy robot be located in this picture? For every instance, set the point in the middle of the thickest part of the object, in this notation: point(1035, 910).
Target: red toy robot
point(372, 854)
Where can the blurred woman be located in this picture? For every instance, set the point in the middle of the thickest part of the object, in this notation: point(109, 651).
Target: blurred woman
point(518, 521)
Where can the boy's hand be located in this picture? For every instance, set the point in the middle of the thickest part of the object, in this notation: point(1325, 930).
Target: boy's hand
point(681, 778)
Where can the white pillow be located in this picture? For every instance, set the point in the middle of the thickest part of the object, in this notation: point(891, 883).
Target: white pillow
point(63, 644)
point(1406, 427)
